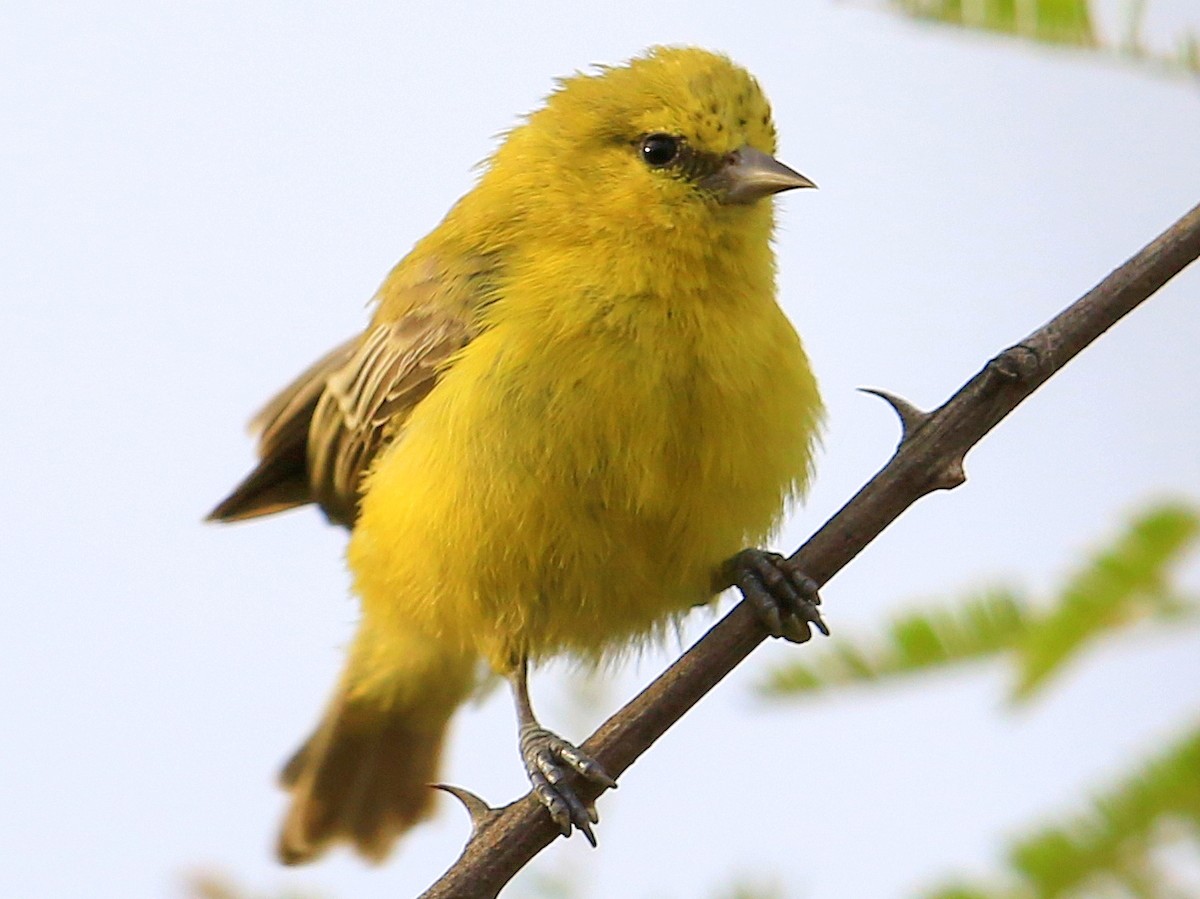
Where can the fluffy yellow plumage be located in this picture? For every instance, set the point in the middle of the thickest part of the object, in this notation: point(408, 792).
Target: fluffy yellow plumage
point(577, 399)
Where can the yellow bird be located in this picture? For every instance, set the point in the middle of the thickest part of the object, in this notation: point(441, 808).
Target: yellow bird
point(576, 403)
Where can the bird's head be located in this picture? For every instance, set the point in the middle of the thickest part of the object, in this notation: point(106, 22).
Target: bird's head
point(676, 140)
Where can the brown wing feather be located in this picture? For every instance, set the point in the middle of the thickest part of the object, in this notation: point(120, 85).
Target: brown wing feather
point(319, 435)
point(366, 402)
point(280, 481)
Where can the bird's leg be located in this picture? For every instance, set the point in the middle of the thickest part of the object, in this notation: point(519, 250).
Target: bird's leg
point(550, 760)
point(783, 596)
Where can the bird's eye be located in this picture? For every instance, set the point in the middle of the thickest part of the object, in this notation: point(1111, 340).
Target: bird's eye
point(659, 149)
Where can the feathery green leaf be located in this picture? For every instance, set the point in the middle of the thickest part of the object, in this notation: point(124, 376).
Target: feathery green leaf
point(984, 625)
point(1124, 583)
point(1067, 23)
point(1050, 21)
point(1107, 849)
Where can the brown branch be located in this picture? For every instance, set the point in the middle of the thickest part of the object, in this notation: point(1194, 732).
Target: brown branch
point(929, 458)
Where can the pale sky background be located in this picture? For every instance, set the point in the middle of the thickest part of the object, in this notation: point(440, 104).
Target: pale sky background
point(197, 200)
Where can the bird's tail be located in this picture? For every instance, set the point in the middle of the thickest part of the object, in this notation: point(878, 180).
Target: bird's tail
point(364, 775)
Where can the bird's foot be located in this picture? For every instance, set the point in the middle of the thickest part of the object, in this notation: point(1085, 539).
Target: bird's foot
point(784, 597)
point(549, 760)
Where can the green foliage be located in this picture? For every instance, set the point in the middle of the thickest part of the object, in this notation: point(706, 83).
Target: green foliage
point(1107, 849)
point(1066, 23)
point(1122, 584)
point(980, 626)
point(1051, 21)
point(1126, 582)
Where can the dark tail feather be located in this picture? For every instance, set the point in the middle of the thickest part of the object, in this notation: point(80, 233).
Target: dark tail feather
point(364, 777)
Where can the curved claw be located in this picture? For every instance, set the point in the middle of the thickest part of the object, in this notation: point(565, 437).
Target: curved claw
point(784, 597)
point(549, 760)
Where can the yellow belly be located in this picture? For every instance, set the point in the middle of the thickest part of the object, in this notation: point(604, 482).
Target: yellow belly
point(576, 492)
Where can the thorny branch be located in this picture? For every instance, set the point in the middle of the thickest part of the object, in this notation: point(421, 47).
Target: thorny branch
point(929, 457)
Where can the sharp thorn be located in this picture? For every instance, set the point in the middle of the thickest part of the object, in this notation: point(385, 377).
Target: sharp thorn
point(478, 810)
point(911, 418)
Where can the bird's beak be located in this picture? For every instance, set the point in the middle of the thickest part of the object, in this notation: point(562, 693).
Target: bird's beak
point(747, 175)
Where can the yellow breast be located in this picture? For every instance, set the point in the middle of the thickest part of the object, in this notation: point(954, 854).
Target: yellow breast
point(568, 488)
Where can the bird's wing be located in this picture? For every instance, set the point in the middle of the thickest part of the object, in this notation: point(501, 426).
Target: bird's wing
point(367, 399)
point(319, 435)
